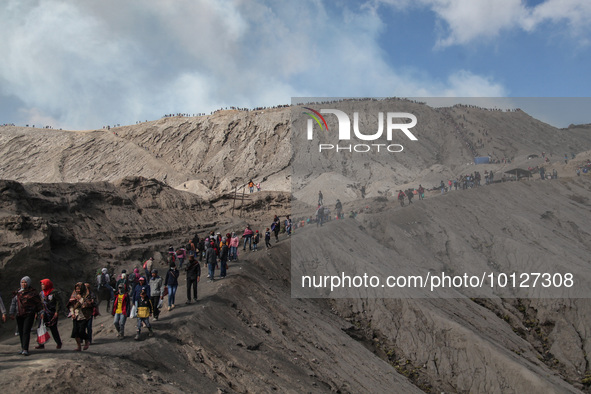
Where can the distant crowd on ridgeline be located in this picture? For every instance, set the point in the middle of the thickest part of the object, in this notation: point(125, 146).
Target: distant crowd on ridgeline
point(262, 108)
point(138, 294)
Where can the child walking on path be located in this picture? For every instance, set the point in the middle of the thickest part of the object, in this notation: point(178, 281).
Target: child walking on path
point(144, 310)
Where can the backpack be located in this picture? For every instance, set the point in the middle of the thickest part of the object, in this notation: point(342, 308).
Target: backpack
point(103, 281)
point(256, 238)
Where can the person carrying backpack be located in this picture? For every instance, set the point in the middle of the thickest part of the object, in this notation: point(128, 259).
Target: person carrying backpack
point(255, 241)
point(103, 280)
point(401, 196)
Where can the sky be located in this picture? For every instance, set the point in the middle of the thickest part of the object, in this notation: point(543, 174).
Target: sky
point(85, 64)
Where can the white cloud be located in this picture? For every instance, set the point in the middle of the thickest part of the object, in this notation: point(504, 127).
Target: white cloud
point(465, 84)
point(87, 64)
point(466, 21)
point(469, 19)
point(575, 13)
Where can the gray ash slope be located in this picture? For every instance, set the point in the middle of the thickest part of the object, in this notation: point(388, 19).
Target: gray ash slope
point(81, 216)
point(209, 155)
point(247, 334)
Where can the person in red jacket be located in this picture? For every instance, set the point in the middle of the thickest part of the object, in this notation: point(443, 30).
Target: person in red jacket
point(120, 310)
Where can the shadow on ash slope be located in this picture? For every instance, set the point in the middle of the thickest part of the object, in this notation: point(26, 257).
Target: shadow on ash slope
point(246, 334)
point(470, 344)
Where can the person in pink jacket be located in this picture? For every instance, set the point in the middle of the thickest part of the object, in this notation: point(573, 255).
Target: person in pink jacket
point(181, 253)
point(248, 234)
point(234, 242)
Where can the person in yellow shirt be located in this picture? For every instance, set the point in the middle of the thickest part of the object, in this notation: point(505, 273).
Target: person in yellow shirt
point(120, 310)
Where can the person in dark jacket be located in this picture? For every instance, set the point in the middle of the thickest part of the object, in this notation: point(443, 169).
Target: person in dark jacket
point(120, 310)
point(211, 260)
point(144, 310)
point(3, 310)
point(25, 304)
point(138, 289)
point(224, 257)
point(123, 279)
point(156, 284)
point(193, 277)
point(52, 306)
point(276, 226)
point(172, 282)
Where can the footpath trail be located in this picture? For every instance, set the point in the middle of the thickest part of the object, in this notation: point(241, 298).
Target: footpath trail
point(244, 334)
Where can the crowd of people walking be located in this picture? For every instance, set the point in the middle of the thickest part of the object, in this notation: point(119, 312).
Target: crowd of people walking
point(139, 295)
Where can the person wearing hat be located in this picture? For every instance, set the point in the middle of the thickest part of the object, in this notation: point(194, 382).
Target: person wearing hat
point(25, 304)
point(120, 310)
point(155, 292)
point(144, 310)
